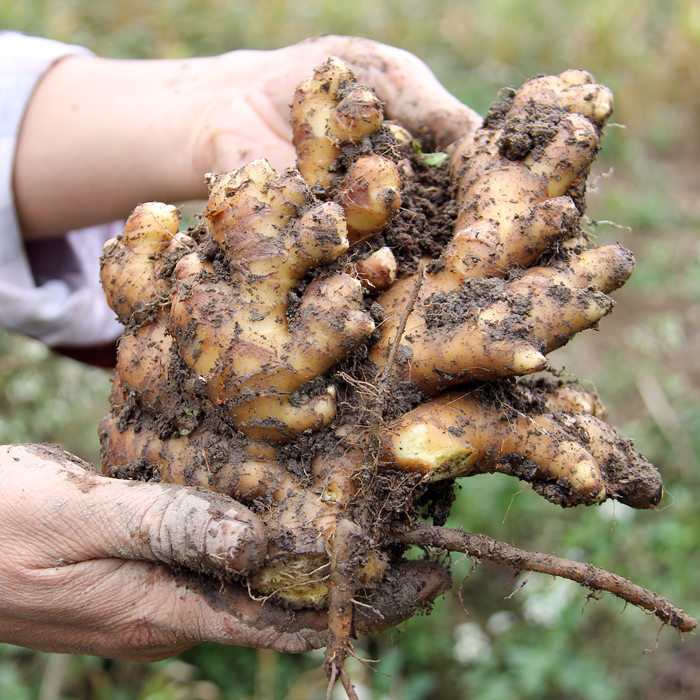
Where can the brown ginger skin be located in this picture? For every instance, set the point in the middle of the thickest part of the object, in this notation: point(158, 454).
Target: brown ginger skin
point(511, 209)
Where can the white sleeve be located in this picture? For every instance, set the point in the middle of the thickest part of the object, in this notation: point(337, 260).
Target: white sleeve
point(51, 290)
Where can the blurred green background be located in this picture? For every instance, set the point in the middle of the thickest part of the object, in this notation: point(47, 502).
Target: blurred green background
point(548, 641)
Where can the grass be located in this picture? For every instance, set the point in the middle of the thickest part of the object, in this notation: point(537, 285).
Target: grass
point(644, 361)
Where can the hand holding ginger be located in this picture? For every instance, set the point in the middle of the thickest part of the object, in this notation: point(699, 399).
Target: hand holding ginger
point(107, 134)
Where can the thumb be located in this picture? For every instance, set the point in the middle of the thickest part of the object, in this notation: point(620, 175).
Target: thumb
point(72, 514)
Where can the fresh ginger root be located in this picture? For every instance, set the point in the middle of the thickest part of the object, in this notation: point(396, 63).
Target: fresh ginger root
point(283, 352)
point(330, 111)
point(468, 324)
point(233, 334)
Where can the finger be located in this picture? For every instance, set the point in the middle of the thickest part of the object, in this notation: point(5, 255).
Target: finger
point(82, 516)
point(419, 582)
point(145, 612)
point(569, 298)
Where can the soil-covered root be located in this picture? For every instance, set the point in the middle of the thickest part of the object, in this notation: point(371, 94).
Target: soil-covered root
point(593, 578)
point(569, 458)
point(514, 204)
point(490, 328)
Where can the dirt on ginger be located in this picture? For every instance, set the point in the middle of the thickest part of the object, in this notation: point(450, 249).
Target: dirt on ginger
point(335, 345)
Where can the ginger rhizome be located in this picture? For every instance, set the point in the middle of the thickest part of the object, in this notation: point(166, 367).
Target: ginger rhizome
point(304, 351)
point(330, 112)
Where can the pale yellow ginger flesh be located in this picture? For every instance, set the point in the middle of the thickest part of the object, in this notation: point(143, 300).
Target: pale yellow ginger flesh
point(456, 435)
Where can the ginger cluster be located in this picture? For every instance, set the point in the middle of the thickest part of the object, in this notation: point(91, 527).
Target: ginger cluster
point(282, 353)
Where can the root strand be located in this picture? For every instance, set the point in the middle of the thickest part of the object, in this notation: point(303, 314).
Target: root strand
point(484, 547)
point(343, 588)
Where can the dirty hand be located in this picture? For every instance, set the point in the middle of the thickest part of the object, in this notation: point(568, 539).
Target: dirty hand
point(109, 134)
point(103, 566)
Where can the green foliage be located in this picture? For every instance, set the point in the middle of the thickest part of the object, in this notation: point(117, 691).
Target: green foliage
point(435, 160)
point(47, 398)
point(546, 641)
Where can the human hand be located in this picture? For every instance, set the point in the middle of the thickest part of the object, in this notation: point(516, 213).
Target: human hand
point(109, 134)
point(104, 566)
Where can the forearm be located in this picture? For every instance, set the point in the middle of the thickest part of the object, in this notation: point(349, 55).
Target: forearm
point(101, 135)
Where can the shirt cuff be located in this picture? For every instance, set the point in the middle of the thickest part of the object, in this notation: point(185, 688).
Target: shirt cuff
point(59, 299)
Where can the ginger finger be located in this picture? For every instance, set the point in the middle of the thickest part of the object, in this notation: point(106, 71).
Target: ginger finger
point(378, 270)
point(324, 114)
point(231, 327)
point(456, 435)
point(578, 412)
point(493, 248)
point(629, 478)
point(144, 376)
point(200, 458)
point(565, 396)
point(492, 328)
point(500, 194)
point(133, 265)
point(573, 90)
point(518, 161)
point(331, 111)
point(569, 458)
point(370, 195)
point(491, 185)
